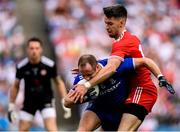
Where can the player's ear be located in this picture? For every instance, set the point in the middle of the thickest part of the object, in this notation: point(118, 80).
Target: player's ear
point(41, 50)
point(122, 22)
point(97, 67)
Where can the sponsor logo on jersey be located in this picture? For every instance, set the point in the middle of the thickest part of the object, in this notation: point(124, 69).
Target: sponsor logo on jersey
point(111, 89)
point(43, 72)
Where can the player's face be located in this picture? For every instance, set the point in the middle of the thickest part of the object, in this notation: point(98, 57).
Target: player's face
point(34, 50)
point(88, 71)
point(114, 26)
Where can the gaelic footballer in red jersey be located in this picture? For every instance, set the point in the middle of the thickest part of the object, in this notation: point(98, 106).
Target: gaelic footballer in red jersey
point(143, 93)
point(129, 46)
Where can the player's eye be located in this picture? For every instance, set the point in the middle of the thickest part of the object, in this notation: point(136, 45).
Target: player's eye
point(109, 23)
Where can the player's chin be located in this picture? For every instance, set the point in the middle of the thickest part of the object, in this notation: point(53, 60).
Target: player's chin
point(111, 35)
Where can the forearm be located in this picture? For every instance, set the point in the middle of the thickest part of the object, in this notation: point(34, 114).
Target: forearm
point(149, 64)
point(106, 72)
point(13, 93)
point(152, 66)
point(61, 88)
point(102, 75)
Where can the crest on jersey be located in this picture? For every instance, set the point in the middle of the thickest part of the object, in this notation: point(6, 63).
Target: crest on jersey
point(43, 72)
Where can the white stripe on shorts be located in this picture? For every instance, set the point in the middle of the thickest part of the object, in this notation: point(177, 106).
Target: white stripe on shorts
point(137, 95)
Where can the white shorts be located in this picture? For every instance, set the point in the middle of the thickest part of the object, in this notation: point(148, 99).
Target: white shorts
point(46, 113)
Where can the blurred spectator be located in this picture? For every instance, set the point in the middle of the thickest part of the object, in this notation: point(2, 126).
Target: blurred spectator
point(11, 49)
point(76, 27)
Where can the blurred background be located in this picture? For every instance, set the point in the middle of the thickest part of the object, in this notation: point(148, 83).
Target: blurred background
point(70, 28)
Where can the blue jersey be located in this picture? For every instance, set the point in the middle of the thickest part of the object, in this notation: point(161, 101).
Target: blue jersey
point(114, 90)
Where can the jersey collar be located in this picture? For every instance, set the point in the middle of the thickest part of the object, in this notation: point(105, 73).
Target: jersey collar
point(121, 36)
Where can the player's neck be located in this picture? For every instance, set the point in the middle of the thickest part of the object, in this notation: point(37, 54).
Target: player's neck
point(120, 35)
point(35, 60)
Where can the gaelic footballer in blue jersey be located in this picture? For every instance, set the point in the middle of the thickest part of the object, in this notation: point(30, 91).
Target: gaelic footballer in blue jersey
point(107, 108)
point(111, 93)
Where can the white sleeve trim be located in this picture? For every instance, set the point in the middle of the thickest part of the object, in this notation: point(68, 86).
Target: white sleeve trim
point(47, 61)
point(133, 63)
point(22, 63)
point(100, 64)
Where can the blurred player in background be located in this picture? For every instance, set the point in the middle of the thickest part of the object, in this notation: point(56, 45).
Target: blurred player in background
point(37, 72)
point(143, 92)
point(108, 97)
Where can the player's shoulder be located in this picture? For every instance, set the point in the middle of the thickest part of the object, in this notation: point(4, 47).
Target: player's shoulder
point(102, 62)
point(46, 61)
point(77, 79)
point(22, 63)
point(132, 36)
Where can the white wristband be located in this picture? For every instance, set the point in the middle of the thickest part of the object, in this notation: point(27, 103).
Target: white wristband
point(11, 107)
point(160, 75)
point(87, 84)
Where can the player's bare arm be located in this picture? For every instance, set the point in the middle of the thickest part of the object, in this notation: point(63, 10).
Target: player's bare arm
point(60, 86)
point(62, 92)
point(148, 63)
point(69, 99)
point(152, 66)
point(107, 71)
point(13, 94)
point(14, 91)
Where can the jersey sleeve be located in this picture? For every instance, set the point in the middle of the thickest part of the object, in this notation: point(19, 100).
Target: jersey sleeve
point(19, 73)
point(76, 79)
point(103, 62)
point(126, 66)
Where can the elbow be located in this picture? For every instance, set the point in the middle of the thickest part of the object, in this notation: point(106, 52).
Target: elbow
point(146, 61)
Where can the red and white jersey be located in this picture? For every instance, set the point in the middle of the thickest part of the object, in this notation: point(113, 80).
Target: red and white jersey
point(129, 46)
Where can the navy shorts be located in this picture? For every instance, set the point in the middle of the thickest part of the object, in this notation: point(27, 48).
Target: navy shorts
point(110, 116)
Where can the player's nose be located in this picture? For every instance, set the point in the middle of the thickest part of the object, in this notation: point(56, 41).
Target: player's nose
point(87, 78)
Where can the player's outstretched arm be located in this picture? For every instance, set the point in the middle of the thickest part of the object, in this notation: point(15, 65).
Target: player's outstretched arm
point(152, 66)
point(107, 71)
point(148, 63)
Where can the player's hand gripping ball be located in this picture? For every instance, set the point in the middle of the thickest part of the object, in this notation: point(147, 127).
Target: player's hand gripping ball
point(91, 94)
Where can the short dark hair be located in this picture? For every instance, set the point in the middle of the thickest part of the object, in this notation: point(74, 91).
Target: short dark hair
point(85, 59)
point(36, 40)
point(117, 11)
